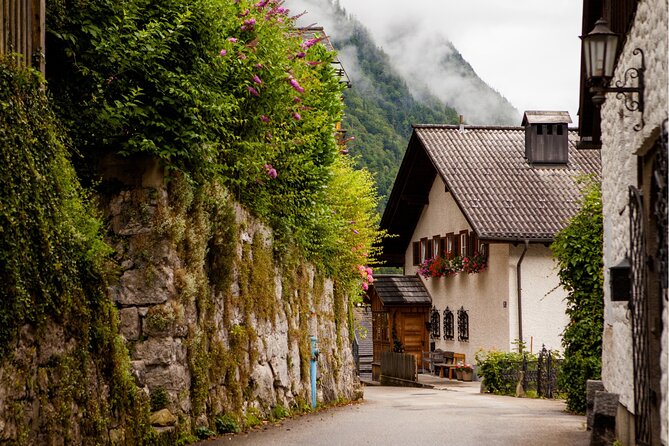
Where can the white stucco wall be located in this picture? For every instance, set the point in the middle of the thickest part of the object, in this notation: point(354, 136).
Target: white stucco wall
point(543, 300)
point(490, 296)
point(620, 142)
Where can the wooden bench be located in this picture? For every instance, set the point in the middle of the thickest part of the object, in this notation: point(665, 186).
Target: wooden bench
point(447, 361)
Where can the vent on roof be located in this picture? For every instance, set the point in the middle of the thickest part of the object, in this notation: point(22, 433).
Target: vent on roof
point(546, 137)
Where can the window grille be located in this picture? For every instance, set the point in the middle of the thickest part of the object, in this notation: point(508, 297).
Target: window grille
point(463, 325)
point(448, 324)
point(434, 323)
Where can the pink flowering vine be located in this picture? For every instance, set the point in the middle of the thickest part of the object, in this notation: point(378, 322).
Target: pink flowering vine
point(297, 116)
point(223, 52)
point(249, 24)
point(271, 171)
point(253, 91)
point(256, 79)
point(296, 85)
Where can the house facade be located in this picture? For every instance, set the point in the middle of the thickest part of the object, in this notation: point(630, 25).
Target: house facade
point(494, 193)
point(633, 142)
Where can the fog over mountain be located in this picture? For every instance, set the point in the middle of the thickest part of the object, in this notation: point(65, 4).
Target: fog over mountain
point(429, 64)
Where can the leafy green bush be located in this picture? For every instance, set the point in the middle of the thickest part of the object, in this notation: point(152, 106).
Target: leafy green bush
point(499, 370)
point(227, 424)
point(578, 250)
point(279, 412)
point(218, 88)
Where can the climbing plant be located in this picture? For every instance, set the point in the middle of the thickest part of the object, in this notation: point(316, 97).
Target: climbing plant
point(578, 250)
point(54, 271)
point(215, 89)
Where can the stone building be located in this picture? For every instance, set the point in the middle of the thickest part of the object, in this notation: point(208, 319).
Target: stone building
point(630, 127)
point(495, 195)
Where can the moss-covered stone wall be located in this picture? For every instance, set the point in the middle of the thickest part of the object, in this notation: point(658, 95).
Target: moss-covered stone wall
point(216, 321)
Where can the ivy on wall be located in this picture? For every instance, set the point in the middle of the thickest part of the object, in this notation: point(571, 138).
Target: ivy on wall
point(578, 250)
point(54, 271)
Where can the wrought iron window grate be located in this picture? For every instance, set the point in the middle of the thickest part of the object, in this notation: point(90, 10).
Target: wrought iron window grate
point(448, 324)
point(434, 323)
point(463, 325)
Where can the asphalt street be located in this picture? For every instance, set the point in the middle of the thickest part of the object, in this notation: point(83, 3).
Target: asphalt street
point(450, 414)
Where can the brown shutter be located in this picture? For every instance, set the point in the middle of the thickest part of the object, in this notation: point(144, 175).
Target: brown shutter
point(416, 253)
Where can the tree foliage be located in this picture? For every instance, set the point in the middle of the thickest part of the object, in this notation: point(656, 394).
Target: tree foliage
point(216, 89)
point(578, 250)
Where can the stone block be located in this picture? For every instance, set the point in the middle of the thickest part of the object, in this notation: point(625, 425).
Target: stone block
point(162, 418)
point(142, 287)
point(604, 419)
point(160, 351)
point(130, 326)
point(591, 386)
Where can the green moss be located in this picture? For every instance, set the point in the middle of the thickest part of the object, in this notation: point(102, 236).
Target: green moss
point(55, 270)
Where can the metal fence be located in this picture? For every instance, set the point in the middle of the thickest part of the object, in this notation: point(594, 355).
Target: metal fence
point(22, 31)
point(540, 374)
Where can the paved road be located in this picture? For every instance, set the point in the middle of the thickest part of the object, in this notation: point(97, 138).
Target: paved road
point(460, 416)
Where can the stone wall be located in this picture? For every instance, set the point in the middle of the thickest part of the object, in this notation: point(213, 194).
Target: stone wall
point(212, 321)
point(619, 167)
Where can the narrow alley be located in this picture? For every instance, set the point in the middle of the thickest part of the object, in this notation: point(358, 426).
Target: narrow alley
point(457, 414)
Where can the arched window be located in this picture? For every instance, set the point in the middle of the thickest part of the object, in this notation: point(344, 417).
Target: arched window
point(463, 325)
point(434, 323)
point(448, 324)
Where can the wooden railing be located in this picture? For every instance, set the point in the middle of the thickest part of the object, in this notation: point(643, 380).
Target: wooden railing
point(398, 365)
point(22, 31)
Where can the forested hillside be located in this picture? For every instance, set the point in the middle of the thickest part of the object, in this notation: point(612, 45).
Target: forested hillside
point(386, 98)
point(380, 110)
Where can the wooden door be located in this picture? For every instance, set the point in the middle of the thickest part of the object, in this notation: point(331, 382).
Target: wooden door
point(413, 332)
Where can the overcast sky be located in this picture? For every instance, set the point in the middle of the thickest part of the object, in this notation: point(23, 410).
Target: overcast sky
point(528, 50)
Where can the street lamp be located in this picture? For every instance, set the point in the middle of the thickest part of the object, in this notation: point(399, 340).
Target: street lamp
point(600, 47)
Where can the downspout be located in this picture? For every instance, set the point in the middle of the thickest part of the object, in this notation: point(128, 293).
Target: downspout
point(520, 300)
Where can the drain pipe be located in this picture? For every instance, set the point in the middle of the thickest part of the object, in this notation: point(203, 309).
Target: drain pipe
point(520, 300)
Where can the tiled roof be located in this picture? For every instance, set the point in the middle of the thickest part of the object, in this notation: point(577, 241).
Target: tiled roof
point(500, 193)
point(401, 290)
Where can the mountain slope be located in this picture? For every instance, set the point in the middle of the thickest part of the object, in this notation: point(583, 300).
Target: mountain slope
point(387, 95)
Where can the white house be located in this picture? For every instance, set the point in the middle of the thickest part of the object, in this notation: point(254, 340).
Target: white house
point(631, 130)
point(500, 191)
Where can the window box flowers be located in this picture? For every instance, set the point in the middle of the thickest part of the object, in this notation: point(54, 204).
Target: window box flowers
point(450, 264)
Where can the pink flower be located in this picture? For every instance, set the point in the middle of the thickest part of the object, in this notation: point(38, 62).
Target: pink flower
point(259, 66)
point(344, 151)
point(232, 39)
point(369, 271)
point(365, 286)
point(370, 279)
point(296, 85)
point(356, 232)
point(311, 42)
point(264, 118)
point(244, 14)
point(271, 171)
point(241, 56)
point(223, 52)
point(300, 55)
point(256, 79)
point(261, 4)
point(296, 99)
point(253, 91)
point(313, 63)
point(297, 116)
point(249, 24)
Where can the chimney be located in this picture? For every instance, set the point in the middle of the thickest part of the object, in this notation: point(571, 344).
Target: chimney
point(462, 124)
point(546, 137)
